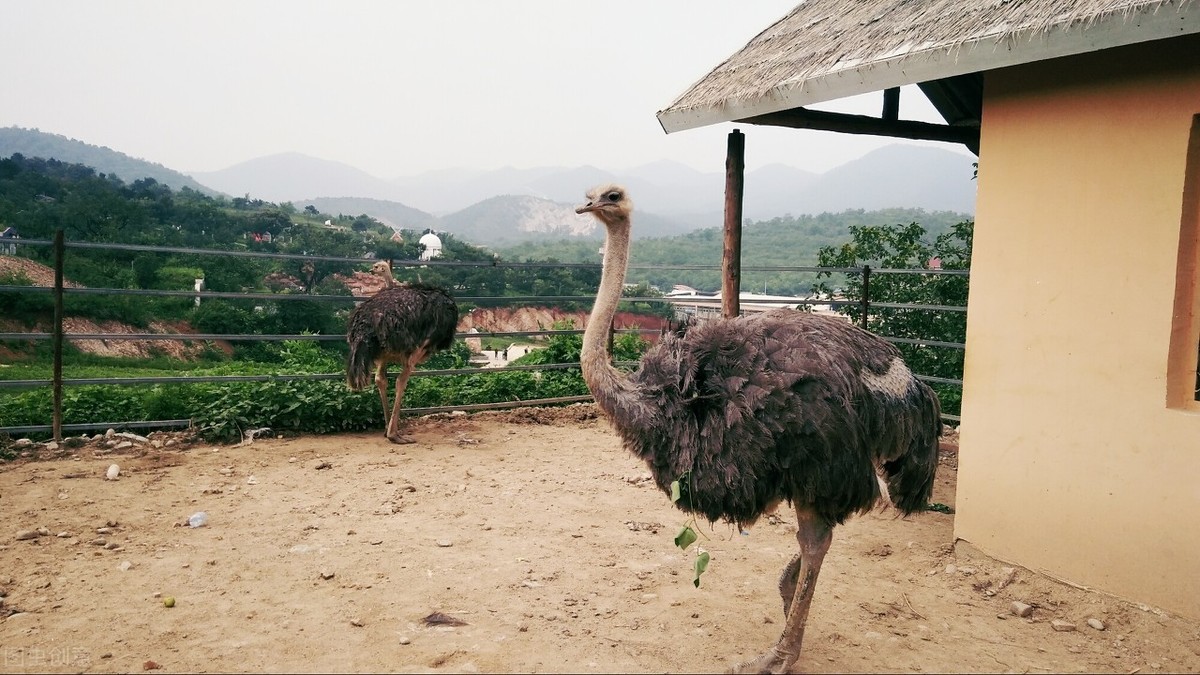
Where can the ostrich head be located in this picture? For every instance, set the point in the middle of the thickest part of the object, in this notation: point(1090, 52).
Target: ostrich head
point(609, 203)
point(383, 270)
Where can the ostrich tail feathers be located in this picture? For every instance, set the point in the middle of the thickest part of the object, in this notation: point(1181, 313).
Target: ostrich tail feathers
point(910, 476)
point(359, 366)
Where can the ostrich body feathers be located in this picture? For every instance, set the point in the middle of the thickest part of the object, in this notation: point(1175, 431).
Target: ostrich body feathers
point(783, 405)
point(393, 324)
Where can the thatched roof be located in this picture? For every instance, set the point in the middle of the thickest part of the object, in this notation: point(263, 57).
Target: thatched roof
point(829, 49)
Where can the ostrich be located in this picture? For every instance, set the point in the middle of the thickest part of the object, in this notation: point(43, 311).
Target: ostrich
point(403, 323)
point(749, 412)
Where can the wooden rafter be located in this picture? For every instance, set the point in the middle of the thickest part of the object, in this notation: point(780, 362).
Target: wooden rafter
point(803, 118)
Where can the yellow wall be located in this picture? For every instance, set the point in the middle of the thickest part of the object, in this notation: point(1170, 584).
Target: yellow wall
point(1071, 462)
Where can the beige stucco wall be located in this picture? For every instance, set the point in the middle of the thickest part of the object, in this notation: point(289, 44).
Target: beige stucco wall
point(1071, 462)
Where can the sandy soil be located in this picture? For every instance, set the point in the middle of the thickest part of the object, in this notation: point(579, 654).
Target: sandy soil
point(531, 527)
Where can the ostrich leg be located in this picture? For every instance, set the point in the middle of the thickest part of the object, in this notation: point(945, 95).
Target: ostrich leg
point(787, 582)
point(381, 384)
point(799, 580)
point(410, 364)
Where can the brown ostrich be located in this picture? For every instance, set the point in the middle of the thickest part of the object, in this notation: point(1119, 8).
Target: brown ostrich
point(753, 411)
point(404, 323)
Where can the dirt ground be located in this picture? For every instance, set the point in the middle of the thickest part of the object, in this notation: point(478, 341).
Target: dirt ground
point(533, 528)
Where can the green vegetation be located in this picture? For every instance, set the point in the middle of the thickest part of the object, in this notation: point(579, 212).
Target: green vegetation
point(39, 196)
point(788, 241)
point(907, 247)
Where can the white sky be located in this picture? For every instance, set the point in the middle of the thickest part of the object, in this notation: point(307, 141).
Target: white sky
point(394, 87)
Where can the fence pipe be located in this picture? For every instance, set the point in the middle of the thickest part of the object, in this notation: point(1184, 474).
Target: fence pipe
point(58, 335)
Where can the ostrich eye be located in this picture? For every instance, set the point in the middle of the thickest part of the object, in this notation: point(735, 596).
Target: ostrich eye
point(613, 196)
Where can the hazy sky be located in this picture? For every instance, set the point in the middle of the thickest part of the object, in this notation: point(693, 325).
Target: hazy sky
point(393, 87)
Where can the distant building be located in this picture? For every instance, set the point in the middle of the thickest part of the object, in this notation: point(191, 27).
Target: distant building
point(431, 246)
point(690, 303)
point(8, 244)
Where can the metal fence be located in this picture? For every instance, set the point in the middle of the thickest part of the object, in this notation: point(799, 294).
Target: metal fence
point(59, 289)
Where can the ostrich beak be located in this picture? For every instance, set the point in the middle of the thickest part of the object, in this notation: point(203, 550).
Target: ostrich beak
point(587, 208)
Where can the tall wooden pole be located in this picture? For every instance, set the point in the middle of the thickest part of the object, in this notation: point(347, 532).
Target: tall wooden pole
point(57, 336)
point(731, 259)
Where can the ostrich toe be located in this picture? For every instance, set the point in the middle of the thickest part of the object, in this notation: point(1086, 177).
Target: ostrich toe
point(771, 662)
point(401, 440)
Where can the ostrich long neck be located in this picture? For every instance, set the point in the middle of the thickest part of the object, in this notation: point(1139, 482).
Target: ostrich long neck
point(613, 392)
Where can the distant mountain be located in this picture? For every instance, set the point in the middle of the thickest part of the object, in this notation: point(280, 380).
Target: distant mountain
point(293, 177)
point(775, 190)
point(895, 176)
point(393, 214)
point(514, 205)
point(512, 219)
point(440, 192)
point(35, 143)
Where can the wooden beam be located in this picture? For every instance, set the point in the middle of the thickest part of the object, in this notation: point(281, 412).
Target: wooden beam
point(802, 118)
point(891, 105)
point(731, 256)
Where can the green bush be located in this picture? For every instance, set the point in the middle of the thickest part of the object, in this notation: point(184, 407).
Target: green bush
point(26, 306)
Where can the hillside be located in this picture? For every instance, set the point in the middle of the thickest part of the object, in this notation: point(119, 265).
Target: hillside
point(393, 214)
point(790, 241)
point(35, 143)
point(41, 275)
point(519, 207)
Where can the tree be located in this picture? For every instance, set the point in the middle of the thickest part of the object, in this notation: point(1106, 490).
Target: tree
point(905, 247)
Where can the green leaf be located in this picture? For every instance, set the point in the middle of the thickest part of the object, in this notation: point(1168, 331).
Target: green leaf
point(701, 565)
point(685, 538)
point(675, 492)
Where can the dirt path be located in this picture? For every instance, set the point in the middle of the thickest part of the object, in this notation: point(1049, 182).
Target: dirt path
point(534, 528)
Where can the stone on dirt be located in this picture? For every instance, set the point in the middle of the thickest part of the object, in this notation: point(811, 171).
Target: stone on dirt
point(1020, 609)
point(1096, 623)
point(1062, 626)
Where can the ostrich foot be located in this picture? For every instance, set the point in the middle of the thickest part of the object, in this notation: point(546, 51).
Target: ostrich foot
point(772, 662)
point(401, 440)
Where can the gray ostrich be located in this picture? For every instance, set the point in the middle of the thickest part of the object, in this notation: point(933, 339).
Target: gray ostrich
point(750, 412)
point(403, 323)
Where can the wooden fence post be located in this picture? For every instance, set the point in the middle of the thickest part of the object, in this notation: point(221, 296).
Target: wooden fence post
point(865, 302)
point(59, 249)
point(731, 258)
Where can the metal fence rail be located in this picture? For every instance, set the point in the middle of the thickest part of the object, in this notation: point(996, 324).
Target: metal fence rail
point(59, 290)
